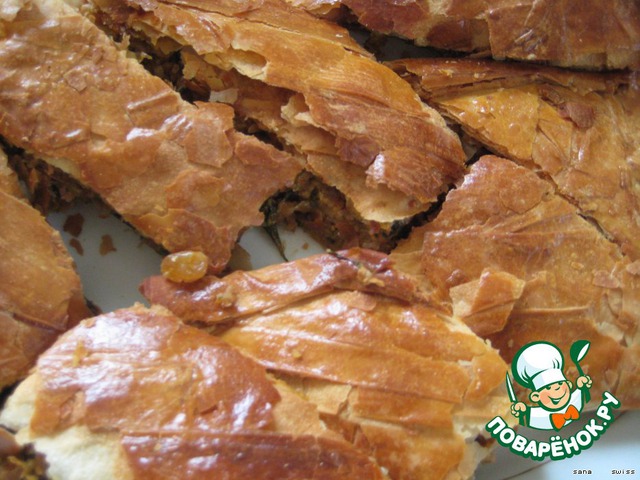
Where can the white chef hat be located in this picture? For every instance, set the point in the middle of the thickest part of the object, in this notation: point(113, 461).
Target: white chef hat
point(537, 365)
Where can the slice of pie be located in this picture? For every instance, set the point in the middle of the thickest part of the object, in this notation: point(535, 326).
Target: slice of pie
point(179, 173)
point(404, 382)
point(587, 34)
point(519, 264)
point(374, 156)
point(135, 394)
point(578, 129)
point(40, 291)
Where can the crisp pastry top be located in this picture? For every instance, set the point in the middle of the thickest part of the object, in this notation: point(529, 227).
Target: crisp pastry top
point(350, 364)
point(215, 300)
point(146, 397)
point(518, 263)
point(316, 89)
point(405, 382)
point(40, 291)
point(587, 34)
point(177, 172)
point(580, 129)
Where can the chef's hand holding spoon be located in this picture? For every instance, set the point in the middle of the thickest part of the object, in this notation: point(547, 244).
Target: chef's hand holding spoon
point(518, 409)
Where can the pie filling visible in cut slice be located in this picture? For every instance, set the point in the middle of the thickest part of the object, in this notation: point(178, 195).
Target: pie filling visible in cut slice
point(179, 173)
point(376, 155)
point(40, 291)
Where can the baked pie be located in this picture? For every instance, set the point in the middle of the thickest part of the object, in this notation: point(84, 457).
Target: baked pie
point(136, 394)
point(518, 263)
point(375, 157)
point(351, 363)
point(588, 34)
point(578, 129)
point(178, 172)
point(404, 382)
point(40, 291)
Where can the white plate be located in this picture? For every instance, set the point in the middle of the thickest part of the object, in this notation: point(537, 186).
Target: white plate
point(111, 281)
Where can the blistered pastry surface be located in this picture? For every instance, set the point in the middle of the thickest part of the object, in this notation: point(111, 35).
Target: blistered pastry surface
point(576, 283)
point(358, 338)
point(177, 399)
point(41, 292)
point(324, 88)
point(594, 36)
point(577, 128)
point(185, 166)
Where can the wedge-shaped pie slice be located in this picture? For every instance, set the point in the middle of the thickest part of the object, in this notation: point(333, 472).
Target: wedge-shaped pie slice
point(178, 172)
point(40, 291)
point(587, 34)
point(579, 129)
point(406, 383)
point(519, 264)
point(370, 147)
point(135, 394)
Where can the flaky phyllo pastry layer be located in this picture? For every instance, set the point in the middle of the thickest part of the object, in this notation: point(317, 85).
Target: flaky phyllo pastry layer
point(587, 34)
point(197, 119)
point(517, 263)
point(136, 394)
point(179, 173)
point(579, 129)
point(404, 382)
point(41, 295)
point(558, 258)
point(318, 92)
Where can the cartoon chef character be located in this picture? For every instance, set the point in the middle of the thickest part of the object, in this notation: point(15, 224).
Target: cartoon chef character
point(538, 367)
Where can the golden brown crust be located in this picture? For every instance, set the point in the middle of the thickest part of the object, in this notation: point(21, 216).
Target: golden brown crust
point(40, 291)
point(179, 173)
point(245, 293)
point(486, 303)
point(174, 399)
point(263, 456)
point(577, 128)
point(318, 92)
point(98, 375)
point(587, 34)
point(443, 77)
point(577, 284)
point(357, 338)
point(451, 25)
